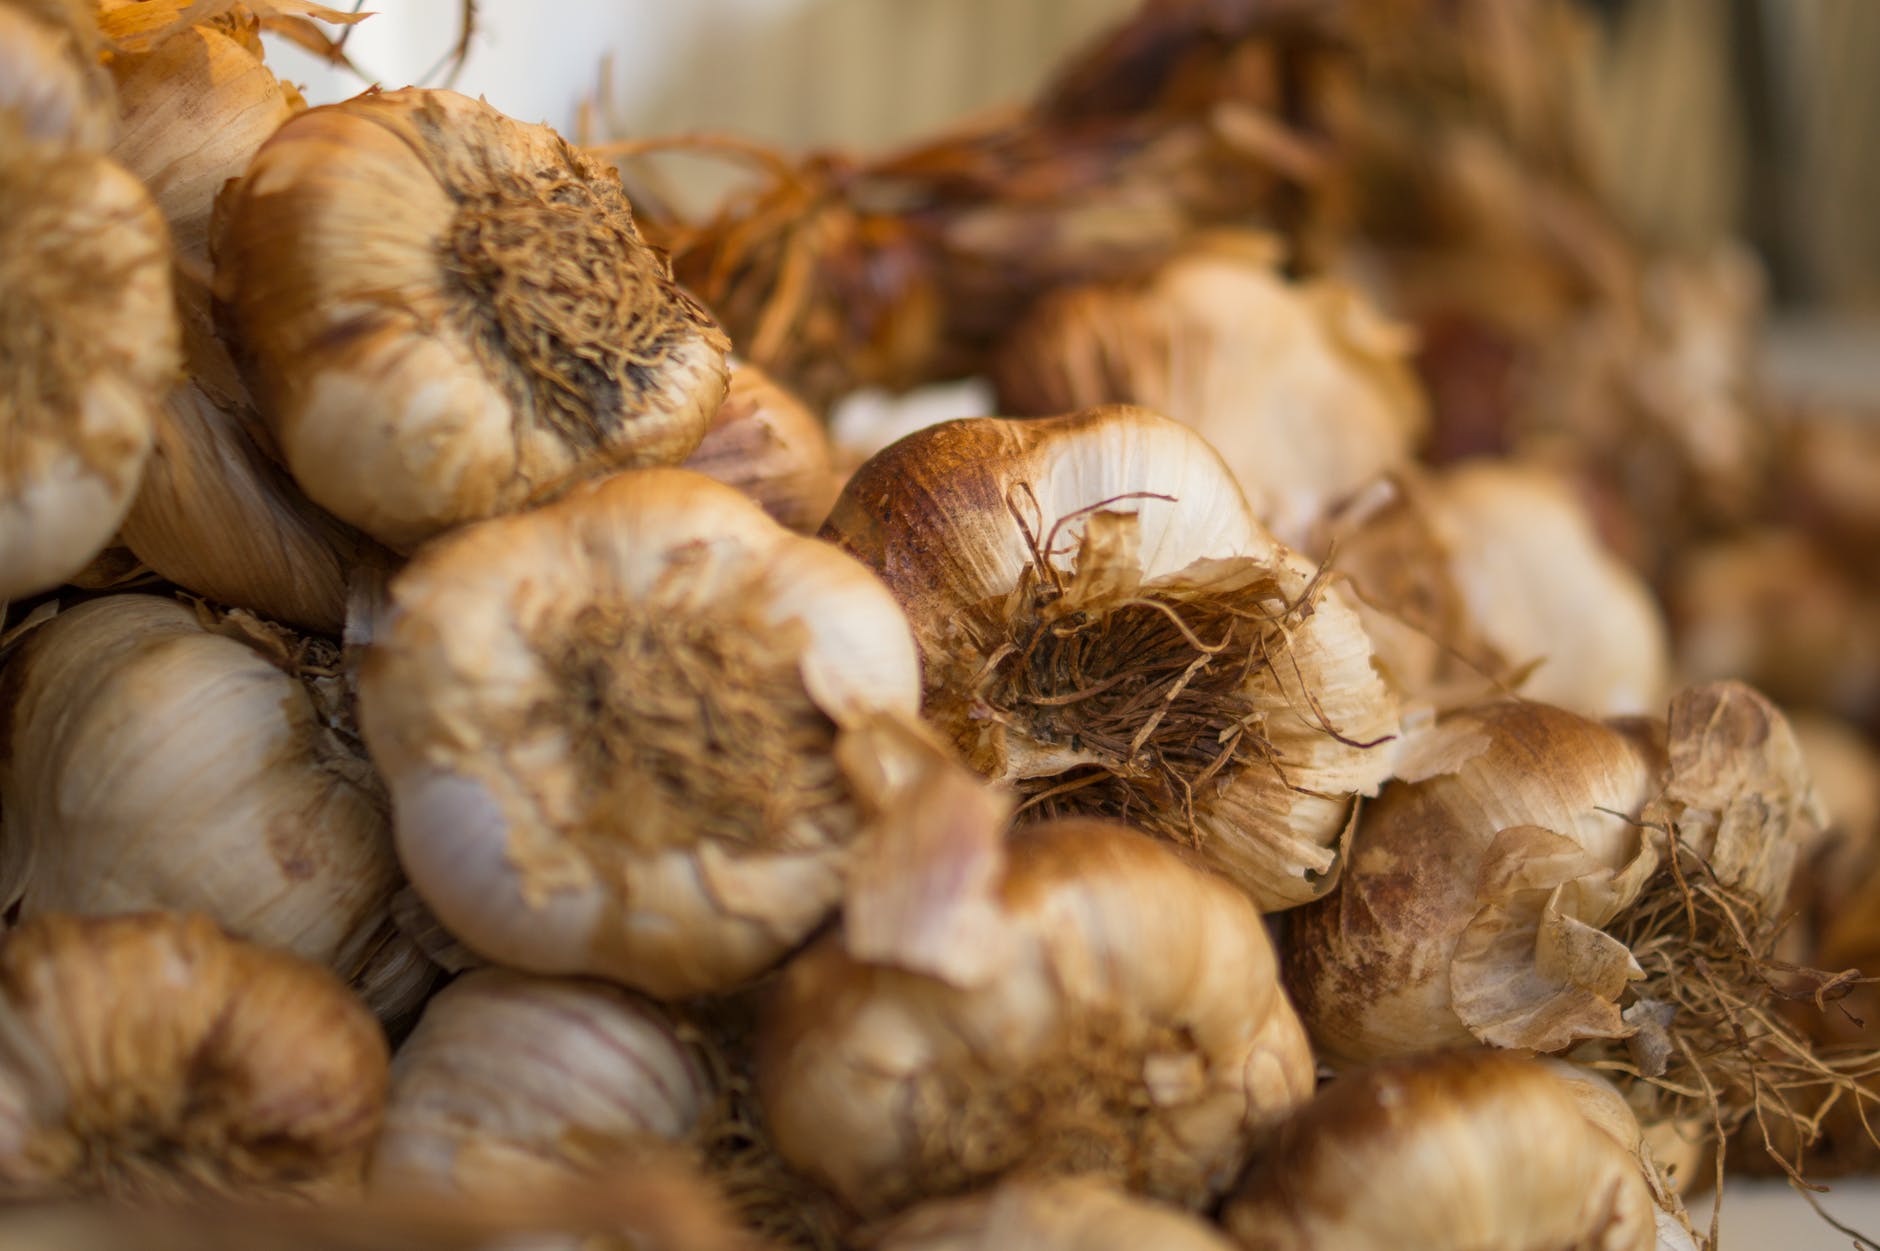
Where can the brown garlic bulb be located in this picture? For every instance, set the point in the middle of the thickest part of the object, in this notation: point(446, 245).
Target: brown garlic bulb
point(50, 83)
point(445, 314)
point(88, 345)
point(611, 730)
point(160, 758)
point(1306, 391)
point(151, 1057)
point(1466, 1151)
point(1083, 1001)
point(1104, 626)
point(764, 442)
point(1046, 1214)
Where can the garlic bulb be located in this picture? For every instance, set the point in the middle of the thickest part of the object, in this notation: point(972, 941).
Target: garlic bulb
point(764, 442)
point(511, 1082)
point(88, 344)
point(1117, 1013)
point(1047, 1214)
point(1306, 391)
point(610, 730)
point(1104, 625)
point(1493, 570)
point(1667, 1155)
point(445, 314)
point(1456, 1152)
point(152, 1057)
point(161, 759)
point(50, 83)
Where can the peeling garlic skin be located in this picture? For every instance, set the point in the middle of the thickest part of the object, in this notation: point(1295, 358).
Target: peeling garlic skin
point(152, 1058)
point(1047, 1214)
point(512, 1081)
point(1466, 1151)
point(1133, 1026)
point(609, 729)
point(456, 319)
point(1066, 578)
point(1370, 965)
point(89, 345)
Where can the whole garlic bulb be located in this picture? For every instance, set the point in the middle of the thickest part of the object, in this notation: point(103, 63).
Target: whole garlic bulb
point(1105, 626)
point(1047, 1214)
point(764, 442)
point(1465, 1151)
point(511, 1082)
point(445, 314)
point(50, 82)
point(1306, 391)
point(160, 759)
point(610, 729)
point(1119, 1014)
point(88, 346)
point(152, 1057)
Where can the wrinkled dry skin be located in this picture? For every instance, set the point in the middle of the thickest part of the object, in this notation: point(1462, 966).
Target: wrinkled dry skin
point(512, 1082)
point(1492, 573)
point(1046, 1214)
point(158, 758)
point(1491, 811)
point(764, 442)
point(88, 345)
point(1105, 627)
point(456, 319)
point(1306, 391)
point(610, 728)
point(1126, 1021)
point(50, 83)
point(151, 1057)
point(1465, 1151)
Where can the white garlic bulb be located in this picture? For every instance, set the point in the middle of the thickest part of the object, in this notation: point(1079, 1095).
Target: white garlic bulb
point(1104, 626)
point(1046, 1214)
point(88, 346)
point(766, 443)
point(610, 729)
point(162, 759)
point(445, 314)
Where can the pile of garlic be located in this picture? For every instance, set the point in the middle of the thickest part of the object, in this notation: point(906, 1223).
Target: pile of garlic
point(474, 767)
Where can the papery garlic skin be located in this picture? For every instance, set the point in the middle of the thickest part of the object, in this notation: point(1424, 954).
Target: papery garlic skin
point(87, 346)
point(151, 1057)
point(609, 729)
point(155, 762)
point(50, 83)
point(1130, 1023)
point(999, 537)
point(766, 443)
point(445, 314)
point(512, 1081)
point(1493, 809)
point(1465, 1151)
point(1306, 391)
point(1047, 1214)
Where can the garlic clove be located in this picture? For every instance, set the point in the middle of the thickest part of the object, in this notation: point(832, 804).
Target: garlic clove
point(610, 729)
point(766, 443)
point(50, 83)
point(1135, 1029)
point(1463, 1151)
point(1046, 1214)
point(457, 319)
point(89, 341)
point(1104, 626)
point(151, 1057)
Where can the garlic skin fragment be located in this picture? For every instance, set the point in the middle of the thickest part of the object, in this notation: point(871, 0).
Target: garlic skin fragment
point(1047, 1214)
point(1305, 390)
point(1129, 1023)
point(511, 1082)
point(610, 728)
point(152, 1058)
point(88, 345)
point(50, 83)
point(1105, 626)
point(444, 314)
point(766, 443)
point(1466, 1151)
point(160, 760)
